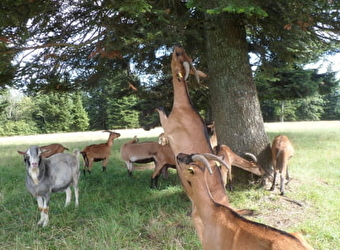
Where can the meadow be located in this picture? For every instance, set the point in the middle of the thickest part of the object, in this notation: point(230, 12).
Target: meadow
point(120, 212)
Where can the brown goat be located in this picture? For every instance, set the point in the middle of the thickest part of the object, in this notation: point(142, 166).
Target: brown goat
point(52, 149)
point(98, 152)
point(184, 127)
point(162, 155)
point(282, 151)
point(221, 227)
point(186, 131)
point(233, 159)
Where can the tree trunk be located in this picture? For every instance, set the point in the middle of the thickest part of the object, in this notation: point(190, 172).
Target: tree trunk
point(235, 105)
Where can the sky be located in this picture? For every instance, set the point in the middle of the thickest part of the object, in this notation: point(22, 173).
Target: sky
point(327, 62)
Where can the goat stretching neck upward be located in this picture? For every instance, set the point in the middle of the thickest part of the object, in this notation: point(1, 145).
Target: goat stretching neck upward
point(222, 227)
point(52, 149)
point(54, 174)
point(162, 155)
point(98, 152)
point(184, 128)
point(282, 151)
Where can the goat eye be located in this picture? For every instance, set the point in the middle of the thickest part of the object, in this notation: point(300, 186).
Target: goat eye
point(191, 170)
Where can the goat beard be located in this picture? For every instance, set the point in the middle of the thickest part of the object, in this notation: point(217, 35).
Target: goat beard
point(34, 173)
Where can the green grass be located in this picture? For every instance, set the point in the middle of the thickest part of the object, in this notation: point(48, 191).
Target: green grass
point(118, 212)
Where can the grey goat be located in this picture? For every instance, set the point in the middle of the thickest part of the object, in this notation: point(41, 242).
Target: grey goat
point(54, 174)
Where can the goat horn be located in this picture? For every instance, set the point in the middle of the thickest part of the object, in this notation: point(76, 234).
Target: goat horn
point(216, 158)
point(201, 158)
point(196, 72)
point(186, 66)
point(253, 157)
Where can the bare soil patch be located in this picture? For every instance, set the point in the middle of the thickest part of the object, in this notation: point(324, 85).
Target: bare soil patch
point(283, 212)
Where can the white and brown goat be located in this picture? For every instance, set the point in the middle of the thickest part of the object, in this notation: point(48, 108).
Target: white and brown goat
point(221, 227)
point(282, 151)
point(135, 152)
point(47, 175)
point(98, 152)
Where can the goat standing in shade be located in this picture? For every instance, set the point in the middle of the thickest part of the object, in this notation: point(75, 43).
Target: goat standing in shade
point(47, 175)
point(222, 227)
point(139, 152)
point(98, 152)
point(186, 132)
point(282, 151)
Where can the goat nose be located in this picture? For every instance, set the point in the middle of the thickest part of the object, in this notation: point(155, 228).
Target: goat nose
point(34, 164)
point(180, 157)
point(185, 158)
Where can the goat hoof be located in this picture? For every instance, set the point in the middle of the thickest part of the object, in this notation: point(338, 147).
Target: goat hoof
point(282, 193)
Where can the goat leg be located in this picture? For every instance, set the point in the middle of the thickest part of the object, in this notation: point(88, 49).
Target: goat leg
point(282, 184)
point(273, 185)
point(68, 196)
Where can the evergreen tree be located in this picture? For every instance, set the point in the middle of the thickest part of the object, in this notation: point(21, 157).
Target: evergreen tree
point(80, 120)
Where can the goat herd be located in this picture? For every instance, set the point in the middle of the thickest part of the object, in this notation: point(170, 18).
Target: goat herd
point(204, 170)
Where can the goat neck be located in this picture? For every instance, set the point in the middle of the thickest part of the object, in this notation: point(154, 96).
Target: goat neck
point(184, 127)
point(221, 227)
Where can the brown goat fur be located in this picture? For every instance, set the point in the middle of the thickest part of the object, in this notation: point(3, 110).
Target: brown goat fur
point(52, 149)
point(221, 227)
point(186, 131)
point(162, 155)
point(232, 159)
point(282, 151)
point(98, 152)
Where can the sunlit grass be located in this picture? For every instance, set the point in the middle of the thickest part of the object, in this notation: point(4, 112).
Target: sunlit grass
point(118, 212)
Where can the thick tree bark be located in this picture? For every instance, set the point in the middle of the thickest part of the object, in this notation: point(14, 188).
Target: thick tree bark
point(235, 105)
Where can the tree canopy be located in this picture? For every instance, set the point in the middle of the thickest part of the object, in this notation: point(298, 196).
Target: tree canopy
point(63, 45)
point(67, 45)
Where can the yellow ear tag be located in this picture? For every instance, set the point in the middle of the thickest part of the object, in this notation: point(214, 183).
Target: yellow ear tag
point(180, 75)
point(191, 170)
point(218, 164)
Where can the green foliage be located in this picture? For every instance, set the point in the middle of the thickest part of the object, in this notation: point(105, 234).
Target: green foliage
point(46, 113)
point(245, 7)
point(332, 106)
point(80, 120)
point(122, 113)
point(303, 109)
point(112, 104)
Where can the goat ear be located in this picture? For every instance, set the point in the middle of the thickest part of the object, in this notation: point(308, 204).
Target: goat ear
point(201, 74)
point(21, 153)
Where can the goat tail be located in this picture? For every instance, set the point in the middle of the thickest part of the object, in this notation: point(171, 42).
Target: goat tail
point(280, 160)
point(86, 161)
point(76, 152)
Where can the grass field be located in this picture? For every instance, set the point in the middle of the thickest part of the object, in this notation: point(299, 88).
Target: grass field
point(118, 212)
